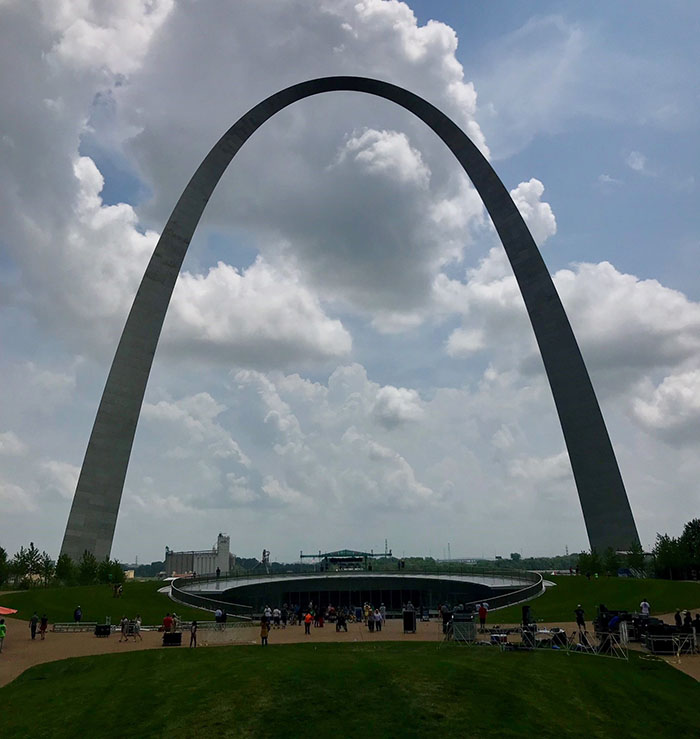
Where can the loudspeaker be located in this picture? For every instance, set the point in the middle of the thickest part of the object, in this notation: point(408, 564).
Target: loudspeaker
point(172, 639)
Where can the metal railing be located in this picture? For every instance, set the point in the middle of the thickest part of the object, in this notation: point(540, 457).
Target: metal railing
point(209, 604)
point(180, 592)
point(247, 575)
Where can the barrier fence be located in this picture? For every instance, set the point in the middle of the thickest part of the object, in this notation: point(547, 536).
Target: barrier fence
point(529, 638)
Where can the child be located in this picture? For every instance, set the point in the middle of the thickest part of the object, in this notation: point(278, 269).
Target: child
point(264, 631)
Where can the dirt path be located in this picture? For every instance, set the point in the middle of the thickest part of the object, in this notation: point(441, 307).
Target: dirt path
point(20, 652)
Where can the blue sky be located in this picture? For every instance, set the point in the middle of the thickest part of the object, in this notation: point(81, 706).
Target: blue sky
point(346, 358)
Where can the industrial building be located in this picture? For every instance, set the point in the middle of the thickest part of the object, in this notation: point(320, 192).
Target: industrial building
point(203, 562)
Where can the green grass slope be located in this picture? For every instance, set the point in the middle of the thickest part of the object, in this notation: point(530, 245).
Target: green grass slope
point(559, 602)
point(389, 690)
point(97, 601)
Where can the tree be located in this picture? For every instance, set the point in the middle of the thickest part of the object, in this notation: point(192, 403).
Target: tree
point(65, 569)
point(117, 571)
point(635, 557)
point(589, 563)
point(110, 571)
point(33, 560)
point(611, 561)
point(87, 568)
point(4, 567)
point(19, 566)
point(48, 567)
point(104, 570)
point(690, 542)
point(668, 558)
point(515, 557)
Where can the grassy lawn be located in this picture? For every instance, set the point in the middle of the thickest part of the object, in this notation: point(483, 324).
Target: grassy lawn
point(389, 689)
point(97, 602)
point(559, 602)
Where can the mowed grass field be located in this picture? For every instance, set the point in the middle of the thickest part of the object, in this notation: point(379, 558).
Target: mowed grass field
point(97, 602)
point(386, 690)
point(617, 593)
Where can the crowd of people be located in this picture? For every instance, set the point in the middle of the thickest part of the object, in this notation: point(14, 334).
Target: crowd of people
point(683, 619)
point(317, 616)
point(685, 622)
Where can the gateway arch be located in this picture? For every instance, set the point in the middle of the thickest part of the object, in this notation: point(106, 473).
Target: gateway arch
point(602, 494)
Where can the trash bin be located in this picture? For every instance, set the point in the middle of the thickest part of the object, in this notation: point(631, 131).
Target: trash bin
point(172, 639)
point(409, 622)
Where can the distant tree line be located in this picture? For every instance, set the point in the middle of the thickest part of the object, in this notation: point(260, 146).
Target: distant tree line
point(31, 568)
point(611, 561)
point(679, 559)
point(152, 570)
point(671, 558)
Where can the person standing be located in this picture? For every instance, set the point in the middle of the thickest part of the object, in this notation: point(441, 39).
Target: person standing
point(377, 620)
point(645, 610)
point(137, 627)
point(342, 621)
point(580, 620)
point(276, 617)
point(124, 627)
point(482, 617)
point(677, 617)
point(167, 623)
point(264, 631)
point(77, 614)
point(446, 616)
point(3, 633)
point(33, 621)
point(193, 634)
point(43, 625)
point(307, 623)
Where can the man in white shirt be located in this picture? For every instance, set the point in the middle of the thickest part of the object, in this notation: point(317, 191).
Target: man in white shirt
point(645, 609)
